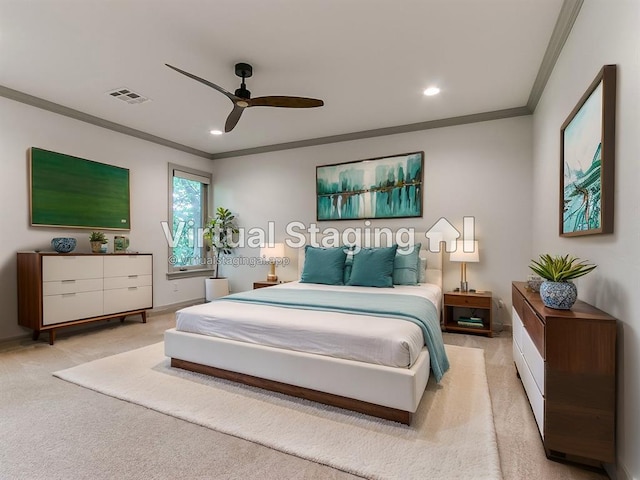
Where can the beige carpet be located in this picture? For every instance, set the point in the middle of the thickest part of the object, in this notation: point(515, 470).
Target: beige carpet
point(452, 435)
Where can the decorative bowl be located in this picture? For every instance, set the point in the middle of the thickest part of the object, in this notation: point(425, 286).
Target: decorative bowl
point(534, 282)
point(63, 244)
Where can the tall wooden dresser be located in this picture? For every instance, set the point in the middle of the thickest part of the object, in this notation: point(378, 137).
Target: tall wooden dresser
point(566, 360)
point(59, 290)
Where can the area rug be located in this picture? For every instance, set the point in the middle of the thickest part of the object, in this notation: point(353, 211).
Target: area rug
point(452, 434)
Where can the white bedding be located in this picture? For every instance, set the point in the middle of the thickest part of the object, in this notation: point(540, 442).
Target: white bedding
point(384, 341)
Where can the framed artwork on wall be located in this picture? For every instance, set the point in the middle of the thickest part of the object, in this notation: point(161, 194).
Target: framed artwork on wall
point(72, 192)
point(383, 187)
point(587, 160)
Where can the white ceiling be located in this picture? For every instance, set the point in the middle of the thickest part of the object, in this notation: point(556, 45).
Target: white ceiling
point(369, 60)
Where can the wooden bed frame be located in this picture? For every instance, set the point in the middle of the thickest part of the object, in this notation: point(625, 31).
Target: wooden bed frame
point(387, 392)
point(300, 392)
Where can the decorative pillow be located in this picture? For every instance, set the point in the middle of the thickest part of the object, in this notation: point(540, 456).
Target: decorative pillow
point(348, 265)
point(373, 267)
point(323, 265)
point(422, 270)
point(406, 265)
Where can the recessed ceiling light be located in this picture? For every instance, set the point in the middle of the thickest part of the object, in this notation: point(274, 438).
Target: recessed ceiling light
point(216, 132)
point(429, 92)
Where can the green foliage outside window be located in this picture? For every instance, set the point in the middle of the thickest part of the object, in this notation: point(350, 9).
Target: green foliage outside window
point(189, 197)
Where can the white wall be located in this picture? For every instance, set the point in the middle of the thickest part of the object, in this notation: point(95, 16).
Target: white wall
point(605, 32)
point(23, 126)
point(481, 170)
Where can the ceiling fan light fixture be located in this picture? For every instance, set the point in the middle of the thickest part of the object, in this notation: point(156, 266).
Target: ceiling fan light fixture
point(431, 91)
point(216, 132)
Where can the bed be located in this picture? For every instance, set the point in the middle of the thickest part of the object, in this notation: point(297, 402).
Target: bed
point(349, 346)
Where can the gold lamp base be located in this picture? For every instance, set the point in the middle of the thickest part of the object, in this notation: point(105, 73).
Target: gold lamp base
point(271, 276)
point(464, 286)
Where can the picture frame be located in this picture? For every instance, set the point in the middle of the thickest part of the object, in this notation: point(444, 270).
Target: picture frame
point(374, 188)
point(72, 192)
point(120, 244)
point(587, 160)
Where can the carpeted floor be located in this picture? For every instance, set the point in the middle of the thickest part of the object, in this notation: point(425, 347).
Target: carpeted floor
point(452, 434)
point(52, 429)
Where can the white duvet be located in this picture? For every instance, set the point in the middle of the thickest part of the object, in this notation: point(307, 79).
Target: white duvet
point(385, 341)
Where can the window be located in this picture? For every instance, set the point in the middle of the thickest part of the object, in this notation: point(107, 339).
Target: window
point(189, 200)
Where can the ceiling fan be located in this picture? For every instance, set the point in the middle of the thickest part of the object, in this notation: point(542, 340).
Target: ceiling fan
point(242, 97)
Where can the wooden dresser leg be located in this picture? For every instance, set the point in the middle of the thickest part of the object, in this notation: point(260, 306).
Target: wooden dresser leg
point(144, 316)
point(52, 336)
point(36, 334)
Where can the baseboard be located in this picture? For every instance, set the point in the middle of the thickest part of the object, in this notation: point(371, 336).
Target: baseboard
point(617, 472)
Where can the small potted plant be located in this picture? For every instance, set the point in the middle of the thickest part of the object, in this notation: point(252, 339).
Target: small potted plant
point(97, 240)
point(557, 291)
point(218, 234)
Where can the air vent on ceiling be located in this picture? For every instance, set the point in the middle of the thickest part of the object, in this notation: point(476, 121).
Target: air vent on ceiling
point(128, 95)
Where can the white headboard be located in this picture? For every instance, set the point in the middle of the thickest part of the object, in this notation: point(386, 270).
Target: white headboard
point(434, 259)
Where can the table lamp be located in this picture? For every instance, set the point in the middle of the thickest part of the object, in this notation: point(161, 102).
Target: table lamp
point(272, 253)
point(469, 256)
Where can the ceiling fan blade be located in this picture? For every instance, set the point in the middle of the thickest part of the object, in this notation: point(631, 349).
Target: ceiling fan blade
point(231, 96)
point(287, 102)
point(233, 118)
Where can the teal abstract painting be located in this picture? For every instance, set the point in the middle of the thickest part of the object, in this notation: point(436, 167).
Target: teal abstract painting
point(385, 187)
point(587, 137)
point(582, 162)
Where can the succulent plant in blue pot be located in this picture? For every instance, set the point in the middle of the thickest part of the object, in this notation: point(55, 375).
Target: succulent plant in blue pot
point(557, 291)
point(63, 244)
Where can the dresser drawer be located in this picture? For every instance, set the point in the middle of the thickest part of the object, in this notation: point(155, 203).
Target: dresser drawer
point(469, 301)
point(536, 399)
point(534, 327)
point(124, 265)
point(125, 299)
point(60, 287)
point(518, 301)
point(518, 328)
point(71, 267)
point(125, 282)
point(71, 306)
point(534, 360)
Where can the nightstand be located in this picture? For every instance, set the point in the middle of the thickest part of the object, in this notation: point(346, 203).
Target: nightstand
point(264, 284)
point(468, 312)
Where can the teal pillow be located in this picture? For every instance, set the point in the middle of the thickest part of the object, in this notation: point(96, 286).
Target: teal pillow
point(323, 265)
point(348, 265)
point(373, 267)
point(406, 265)
point(422, 270)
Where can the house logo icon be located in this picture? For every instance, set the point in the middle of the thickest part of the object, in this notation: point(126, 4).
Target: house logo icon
point(444, 232)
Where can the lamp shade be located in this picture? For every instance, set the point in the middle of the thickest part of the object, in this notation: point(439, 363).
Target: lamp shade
point(273, 252)
point(471, 254)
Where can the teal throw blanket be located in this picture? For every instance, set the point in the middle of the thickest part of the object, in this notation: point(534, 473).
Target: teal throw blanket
point(406, 307)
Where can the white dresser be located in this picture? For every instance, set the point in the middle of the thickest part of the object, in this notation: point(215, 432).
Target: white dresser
point(59, 290)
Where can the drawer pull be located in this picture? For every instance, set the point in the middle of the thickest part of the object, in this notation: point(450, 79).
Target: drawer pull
point(68, 281)
point(133, 276)
point(133, 288)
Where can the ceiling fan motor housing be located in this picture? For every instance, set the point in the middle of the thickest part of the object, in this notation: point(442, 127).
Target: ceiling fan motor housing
point(243, 93)
point(243, 70)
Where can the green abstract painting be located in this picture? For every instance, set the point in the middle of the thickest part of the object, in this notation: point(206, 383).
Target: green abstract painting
point(69, 191)
point(385, 187)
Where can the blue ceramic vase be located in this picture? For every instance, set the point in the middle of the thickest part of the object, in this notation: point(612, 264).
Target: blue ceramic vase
point(63, 244)
point(558, 295)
